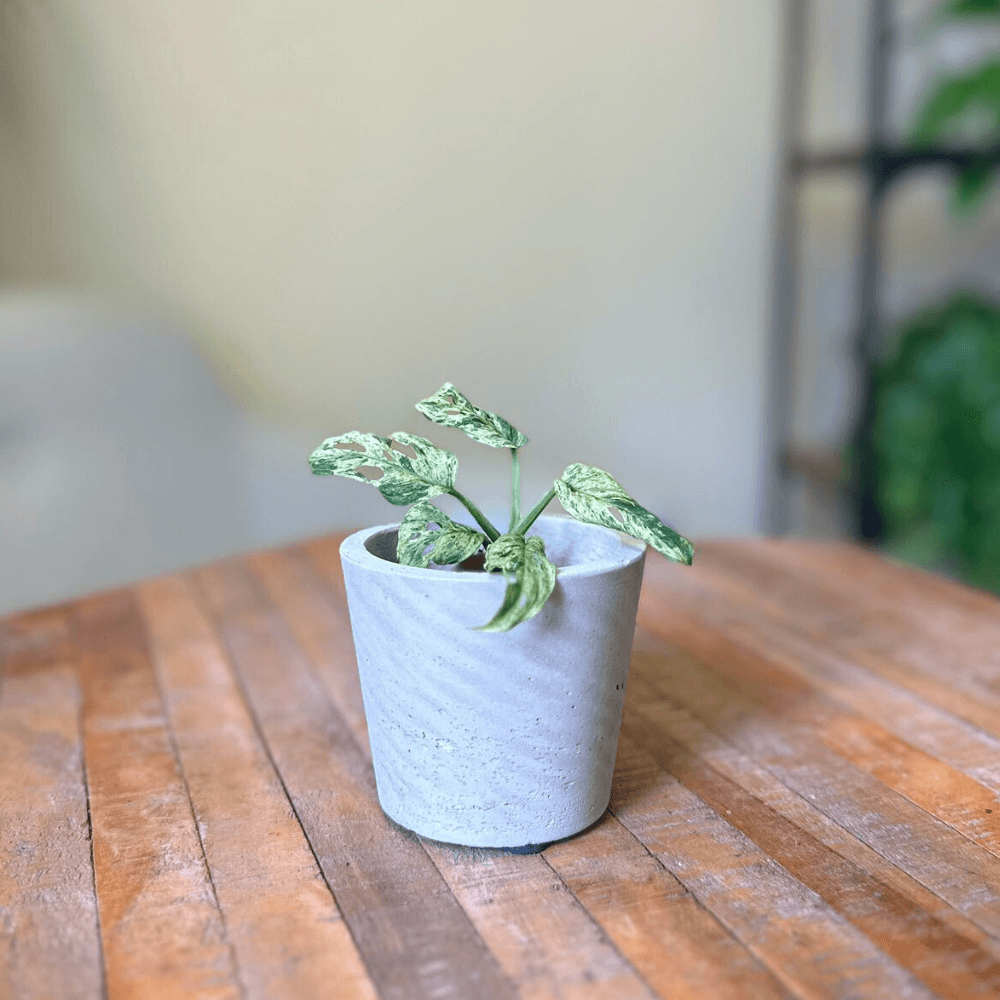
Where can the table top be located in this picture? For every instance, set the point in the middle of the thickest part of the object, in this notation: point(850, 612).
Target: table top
point(805, 802)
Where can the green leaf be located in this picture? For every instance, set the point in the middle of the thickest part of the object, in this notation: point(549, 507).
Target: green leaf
point(970, 8)
point(973, 185)
point(449, 408)
point(404, 480)
point(963, 107)
point(420, 545)
point(531, 578)
point(591, 495)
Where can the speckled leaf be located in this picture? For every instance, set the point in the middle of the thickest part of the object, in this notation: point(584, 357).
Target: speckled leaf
point(404, 480)
point(450, 408)
point(591, 495)
point(531, 578)
point(419, 544)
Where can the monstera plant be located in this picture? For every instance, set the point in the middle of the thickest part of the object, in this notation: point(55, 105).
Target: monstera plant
point(427, 535)
point(493, 664)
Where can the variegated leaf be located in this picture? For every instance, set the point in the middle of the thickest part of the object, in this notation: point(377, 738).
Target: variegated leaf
point(449, 542)
point(404, 480)
point(591, 495)
point(531, 578)
point(450, 408)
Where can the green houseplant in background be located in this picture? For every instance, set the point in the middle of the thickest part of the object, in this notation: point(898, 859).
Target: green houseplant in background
point(963, 108)
point(937, 438)
point(936, 432)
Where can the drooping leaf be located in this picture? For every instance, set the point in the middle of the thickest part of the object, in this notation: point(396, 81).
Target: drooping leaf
point(592, 495)
point(404, 480)
point(531, 578)
point(420, 544)
point(449, 408)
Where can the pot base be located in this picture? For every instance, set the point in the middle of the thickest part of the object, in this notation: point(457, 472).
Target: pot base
point(413, 835)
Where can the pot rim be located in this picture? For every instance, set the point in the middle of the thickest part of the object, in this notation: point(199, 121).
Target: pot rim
point(354, 550)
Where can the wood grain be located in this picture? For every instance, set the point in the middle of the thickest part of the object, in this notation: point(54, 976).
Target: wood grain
point(500, 893)
point(161, 928)
point(552, 950)
point(413, 935)
point(679, 947)
point(806, 800)
point(811, 948)
point(868, 895)
point(916, 842)
point(49, 943)
point(281, 918)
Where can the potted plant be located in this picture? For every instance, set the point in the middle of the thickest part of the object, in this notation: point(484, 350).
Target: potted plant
point(492, 665)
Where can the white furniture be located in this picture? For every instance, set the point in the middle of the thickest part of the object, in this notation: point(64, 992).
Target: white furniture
point(122, 456)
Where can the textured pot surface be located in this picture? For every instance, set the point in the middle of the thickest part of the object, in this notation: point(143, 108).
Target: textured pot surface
point(494, 739)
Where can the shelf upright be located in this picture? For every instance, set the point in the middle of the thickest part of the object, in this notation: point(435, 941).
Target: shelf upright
point(880, 162)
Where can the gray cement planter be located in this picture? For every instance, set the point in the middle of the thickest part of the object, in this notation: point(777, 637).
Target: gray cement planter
point(494, 739)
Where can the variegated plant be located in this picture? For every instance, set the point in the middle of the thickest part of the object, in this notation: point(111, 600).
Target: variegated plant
point(428, 535)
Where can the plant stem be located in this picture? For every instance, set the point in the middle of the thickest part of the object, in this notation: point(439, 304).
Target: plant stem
point(515, 490)
point(481, 519)
point(532, 515)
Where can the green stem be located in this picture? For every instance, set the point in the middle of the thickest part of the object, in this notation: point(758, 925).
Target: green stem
point(532, 515)
point(481, 519)
point(515, 490)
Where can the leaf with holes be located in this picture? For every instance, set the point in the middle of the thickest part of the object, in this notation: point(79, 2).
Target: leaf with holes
point(404, 480)
point(449, 408)
point(531, 578)
point(420, 544)
point(592, 495)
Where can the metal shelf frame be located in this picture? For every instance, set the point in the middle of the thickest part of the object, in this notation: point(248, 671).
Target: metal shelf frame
point(879, 163)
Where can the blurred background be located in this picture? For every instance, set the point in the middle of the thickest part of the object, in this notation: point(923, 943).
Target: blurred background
point(681, 242)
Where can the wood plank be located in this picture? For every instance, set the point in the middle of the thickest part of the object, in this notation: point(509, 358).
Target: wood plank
point(414, 937)
point(895, 913)
point(287, 932)
point(550, 950)
point(965, 804)
point(162, 932)
point(49, 940)
point(944, 669)
point(755, 624)
point(542, 937)
point(306, 584)
point(641, 915)
point(956, 870)
point(808, 684)
point(881, 578)
point(691, 970)
point(680, 948)
point(812, 949)
point(960, 625)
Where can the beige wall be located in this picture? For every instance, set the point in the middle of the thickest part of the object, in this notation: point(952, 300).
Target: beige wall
point(563, 208)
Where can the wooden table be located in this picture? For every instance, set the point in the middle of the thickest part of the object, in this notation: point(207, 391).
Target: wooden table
point(806, 801)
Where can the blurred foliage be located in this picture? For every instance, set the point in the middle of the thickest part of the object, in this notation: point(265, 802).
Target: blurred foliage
point(963, 108)
point(970, 8)
point(937, 440)
point(936, 432)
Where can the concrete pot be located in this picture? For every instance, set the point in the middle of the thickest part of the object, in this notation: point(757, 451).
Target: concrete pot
point(494, 739)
